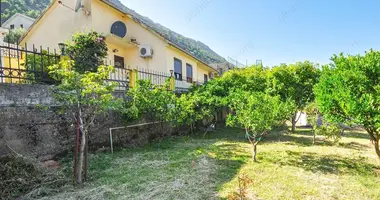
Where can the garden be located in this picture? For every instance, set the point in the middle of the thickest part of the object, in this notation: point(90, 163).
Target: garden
point(242, 140)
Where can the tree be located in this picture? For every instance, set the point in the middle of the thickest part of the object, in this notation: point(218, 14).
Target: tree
point(257, 113)
point(322, 127)
point(313, 116)
point(84, 96)
point(294, 82)
point(349, 92)
point(13, 36)
point(88, 50)
point(153, 102)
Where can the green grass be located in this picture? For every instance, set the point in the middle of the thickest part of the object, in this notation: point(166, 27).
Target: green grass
point(191, 167)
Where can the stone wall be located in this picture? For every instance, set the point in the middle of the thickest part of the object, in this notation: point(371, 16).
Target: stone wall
point(32, 125)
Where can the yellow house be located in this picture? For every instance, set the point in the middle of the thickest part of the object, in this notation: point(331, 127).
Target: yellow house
point(131, 43)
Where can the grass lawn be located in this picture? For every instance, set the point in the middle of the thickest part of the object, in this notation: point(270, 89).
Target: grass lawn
point(191, 167)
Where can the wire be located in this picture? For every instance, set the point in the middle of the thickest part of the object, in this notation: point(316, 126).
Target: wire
point(60, 2)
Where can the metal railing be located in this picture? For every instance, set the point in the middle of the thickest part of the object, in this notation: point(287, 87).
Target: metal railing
point(29, 65)
point(157, 78)
point(20, 64)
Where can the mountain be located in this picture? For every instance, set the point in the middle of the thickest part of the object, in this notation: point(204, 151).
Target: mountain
point(196, 48)
point(33, 8)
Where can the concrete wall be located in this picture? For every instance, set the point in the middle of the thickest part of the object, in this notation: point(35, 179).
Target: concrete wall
point(32, 125)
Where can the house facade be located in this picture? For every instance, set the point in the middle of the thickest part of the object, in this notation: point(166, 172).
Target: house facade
point(18, 21)
point(131, 44)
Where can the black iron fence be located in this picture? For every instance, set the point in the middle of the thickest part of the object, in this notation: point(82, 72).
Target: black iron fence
point(29, 65)
point(156, 77)
point(20, 64)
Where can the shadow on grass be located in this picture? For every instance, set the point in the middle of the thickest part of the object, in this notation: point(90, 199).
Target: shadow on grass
point(355, 134)
point(216, 159)
point(354, 146)
point(328, 164)
point(303, 139)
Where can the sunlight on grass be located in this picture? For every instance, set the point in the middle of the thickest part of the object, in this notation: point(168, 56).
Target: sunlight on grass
point(192, 167)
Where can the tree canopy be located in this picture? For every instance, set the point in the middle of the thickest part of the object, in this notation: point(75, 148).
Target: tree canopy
point(349, 91)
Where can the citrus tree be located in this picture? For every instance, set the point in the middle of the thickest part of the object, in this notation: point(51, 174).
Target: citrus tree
point(349, 92)
point(84, 95)
point(258, 113)
point(294, 82)
point(330, 130)
point(153, 102)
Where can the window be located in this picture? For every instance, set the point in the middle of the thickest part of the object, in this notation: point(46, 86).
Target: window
point(21, 26)
point(118, 61)
point(177, 69)
point(205, 78)
point(12, 26)
point(189, 73)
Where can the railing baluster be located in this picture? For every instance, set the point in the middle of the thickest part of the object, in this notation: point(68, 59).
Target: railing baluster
point(42, 65)
point(19, 74)
point(34, 64)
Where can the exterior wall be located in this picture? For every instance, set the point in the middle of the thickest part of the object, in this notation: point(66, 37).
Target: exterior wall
point(18, 21)
point(202, 70)
point(107, 16)
point(172, 53)
point(58, 25)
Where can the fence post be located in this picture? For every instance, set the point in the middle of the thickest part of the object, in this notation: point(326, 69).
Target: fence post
point(133, 77)
point(172, 83)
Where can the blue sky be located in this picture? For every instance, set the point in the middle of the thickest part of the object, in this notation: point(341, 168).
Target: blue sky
point(275, 31)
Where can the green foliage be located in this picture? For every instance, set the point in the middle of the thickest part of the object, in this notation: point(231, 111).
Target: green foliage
point(313, 114)
point(31, 8)
point(349, 91)
point(13, 36)
point(330, 131)
point(90, 90)
point(257, 112)
point(154, 102)
point(88, 50)
point(37, 66)
point(294, 82)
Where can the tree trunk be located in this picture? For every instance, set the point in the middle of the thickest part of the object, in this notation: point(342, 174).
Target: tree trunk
point(86, 158)
point(377, 149)
point(313, 136)
point(81, 158)
point(254, 152)
point(294, 121)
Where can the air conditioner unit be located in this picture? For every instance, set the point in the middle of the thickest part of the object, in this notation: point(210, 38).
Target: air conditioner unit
point(146, 51)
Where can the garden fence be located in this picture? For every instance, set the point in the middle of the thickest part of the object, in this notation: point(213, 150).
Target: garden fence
point(29, 65)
